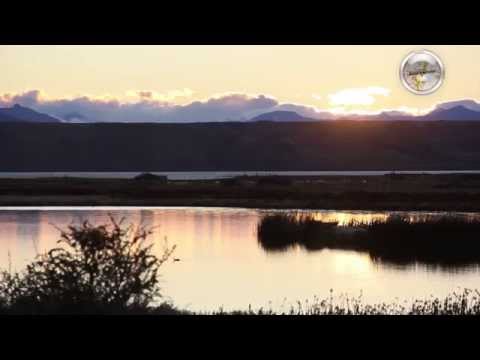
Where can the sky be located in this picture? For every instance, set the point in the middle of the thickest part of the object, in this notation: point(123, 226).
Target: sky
point(216, 83)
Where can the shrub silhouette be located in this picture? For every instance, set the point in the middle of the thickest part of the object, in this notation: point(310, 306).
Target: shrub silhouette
point(106, 268)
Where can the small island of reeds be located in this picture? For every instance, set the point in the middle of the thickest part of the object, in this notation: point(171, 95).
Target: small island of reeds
point(432, 240)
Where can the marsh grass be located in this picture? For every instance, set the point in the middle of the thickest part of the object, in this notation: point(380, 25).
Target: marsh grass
point(436, 240)
point(279, 232)
point(465, 302)
point(448, 240)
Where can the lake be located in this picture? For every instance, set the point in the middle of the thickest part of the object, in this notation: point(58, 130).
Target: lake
point(223, 264)
point(212, 175)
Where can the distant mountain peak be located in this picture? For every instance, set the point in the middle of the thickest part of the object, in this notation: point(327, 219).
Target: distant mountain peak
point(19, 113)
point(449, 109)
point(456, 112)
point(467, 103)
point(281, 115)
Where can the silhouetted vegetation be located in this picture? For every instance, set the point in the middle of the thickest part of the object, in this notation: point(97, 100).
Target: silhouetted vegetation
point(466, 302)
point(443, 241)
point(280, 231)
point(96, 269)
point(151, 177)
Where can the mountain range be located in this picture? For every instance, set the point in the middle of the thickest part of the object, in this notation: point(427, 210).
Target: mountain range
point(458, 112)
point(461, 110)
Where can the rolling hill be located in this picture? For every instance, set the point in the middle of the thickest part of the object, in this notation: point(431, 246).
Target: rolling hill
point(255, 146)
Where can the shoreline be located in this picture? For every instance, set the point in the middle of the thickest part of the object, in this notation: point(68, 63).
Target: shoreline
point(58, 201)
point(394, 192)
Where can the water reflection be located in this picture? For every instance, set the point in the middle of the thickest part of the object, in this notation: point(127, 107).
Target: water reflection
point(222, 262)
point(456, 263)
point(344, 218)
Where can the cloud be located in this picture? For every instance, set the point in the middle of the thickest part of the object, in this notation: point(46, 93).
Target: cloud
point(29, 98)
point(169, 96)
point(145, 94)
point(148, 107)
point(357, 96)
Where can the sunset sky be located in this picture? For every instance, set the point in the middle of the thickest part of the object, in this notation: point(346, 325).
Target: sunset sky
point(223, 82)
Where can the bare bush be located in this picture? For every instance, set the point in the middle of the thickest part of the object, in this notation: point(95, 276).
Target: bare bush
point(106, 268)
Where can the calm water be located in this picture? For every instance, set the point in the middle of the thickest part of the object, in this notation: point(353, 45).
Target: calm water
point(210, 175)
point(222, 262)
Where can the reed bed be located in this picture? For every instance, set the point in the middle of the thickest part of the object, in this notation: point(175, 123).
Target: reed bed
point(464, 302)
point(437, 240)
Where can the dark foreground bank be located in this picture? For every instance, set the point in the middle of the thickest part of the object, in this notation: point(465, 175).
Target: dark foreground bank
point(455, 192)
point(465, 302)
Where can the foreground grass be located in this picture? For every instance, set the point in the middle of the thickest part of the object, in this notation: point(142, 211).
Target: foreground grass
point(462, 303)
point(466, 302)
point(442, 241)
